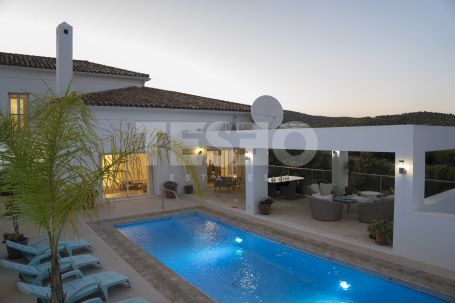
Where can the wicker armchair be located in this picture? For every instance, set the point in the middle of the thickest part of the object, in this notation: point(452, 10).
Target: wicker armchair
point(325, 210)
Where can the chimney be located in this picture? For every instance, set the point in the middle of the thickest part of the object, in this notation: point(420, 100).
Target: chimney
point(64, 58)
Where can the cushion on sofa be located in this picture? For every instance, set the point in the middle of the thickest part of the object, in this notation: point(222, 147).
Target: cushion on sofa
point(362, 199)
point(326, 197)
point(326, 188)
point(315, 188)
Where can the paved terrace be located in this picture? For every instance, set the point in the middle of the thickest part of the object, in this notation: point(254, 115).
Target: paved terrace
point(297, 213)
point(290, 223)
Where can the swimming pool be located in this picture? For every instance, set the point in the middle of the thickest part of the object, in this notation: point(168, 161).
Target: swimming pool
point(231, 265)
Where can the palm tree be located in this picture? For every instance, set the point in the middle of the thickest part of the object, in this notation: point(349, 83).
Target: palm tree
point(52, 165)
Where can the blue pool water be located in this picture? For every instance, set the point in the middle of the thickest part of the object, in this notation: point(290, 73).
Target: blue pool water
point(231, 265)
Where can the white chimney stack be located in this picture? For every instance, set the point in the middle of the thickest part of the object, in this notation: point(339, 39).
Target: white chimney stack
point(64, 58)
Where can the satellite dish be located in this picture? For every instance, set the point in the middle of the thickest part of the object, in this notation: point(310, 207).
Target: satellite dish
point(267, 112)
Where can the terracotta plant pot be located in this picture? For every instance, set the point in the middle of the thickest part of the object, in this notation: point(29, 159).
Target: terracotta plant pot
point(264, 209)
point(169, 195)
point(372, 235)
point(380, 238)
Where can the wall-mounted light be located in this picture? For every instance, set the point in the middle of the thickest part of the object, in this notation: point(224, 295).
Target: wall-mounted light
point(401, 167)
point(335, 152)
point(199, 150)
point(247, 155)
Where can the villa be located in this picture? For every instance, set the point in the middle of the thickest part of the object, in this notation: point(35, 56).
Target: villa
point(231, 153)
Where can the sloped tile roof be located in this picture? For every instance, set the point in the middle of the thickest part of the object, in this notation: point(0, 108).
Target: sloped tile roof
point(78, 65)
point(157, 98)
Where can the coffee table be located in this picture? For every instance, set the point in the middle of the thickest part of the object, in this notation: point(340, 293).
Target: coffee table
point(348, 200)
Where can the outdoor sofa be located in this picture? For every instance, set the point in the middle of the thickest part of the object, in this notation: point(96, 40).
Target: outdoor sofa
point(379, 210)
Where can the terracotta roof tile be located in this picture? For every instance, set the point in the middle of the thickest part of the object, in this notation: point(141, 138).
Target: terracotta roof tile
point(157, 98)
point(78, 65)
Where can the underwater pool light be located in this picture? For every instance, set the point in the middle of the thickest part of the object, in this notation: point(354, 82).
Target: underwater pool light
point(238, 240)
point(345, 285)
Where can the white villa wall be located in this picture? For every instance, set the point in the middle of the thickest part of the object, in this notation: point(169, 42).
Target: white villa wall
point(38, 81)
point(177, 123)
point(443, 202)
point(420, 233)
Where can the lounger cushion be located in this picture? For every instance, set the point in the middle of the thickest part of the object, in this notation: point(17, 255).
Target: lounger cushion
point(80, 288)
point(22, 268)
point(129, 300)
point(134, 300)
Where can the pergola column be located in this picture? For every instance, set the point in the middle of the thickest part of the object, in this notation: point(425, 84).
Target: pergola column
point(256, 172)
point(340, 170)
point(409, 195)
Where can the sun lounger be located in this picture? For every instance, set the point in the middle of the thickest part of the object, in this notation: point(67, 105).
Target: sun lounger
point(134, 300)
point(79, 288)
point(36, 273)
point(41, 246)
point(130, 300)
point(67, 245)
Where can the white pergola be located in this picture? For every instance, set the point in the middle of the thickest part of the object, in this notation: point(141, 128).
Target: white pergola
point(420, 231)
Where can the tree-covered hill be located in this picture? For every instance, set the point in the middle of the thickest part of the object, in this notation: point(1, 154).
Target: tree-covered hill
point(420, 118)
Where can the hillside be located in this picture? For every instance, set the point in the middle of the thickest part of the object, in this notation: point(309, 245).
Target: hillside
point(421, 118)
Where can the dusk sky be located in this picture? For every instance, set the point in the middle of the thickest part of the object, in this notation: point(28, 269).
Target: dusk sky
point(331, 58)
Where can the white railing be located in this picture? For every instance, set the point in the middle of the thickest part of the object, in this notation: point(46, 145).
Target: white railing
point(287, 169)
point(163, 190)
point(238, 126)
point(381, 177)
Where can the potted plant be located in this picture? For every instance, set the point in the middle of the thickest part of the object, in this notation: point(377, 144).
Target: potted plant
point(91, 199)
point(348, 190)
point(372, 229)
point(18, 238)
point(265, 206)
point(171, 187)
point(188, 189)
point(381, 231)
point(15, 236)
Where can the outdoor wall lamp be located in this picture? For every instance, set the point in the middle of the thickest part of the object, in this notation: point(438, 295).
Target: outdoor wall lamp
point(199, 150)
point(247, 155)
point(401, 168)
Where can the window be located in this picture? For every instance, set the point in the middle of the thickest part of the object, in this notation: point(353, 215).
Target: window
point(17, 103)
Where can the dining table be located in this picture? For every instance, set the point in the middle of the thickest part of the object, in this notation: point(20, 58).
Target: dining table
point(288, 186)
point(284, 179)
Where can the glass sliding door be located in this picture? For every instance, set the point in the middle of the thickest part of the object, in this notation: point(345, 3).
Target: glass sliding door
point(131, 179)
point(137, 175)
point(225, 163)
